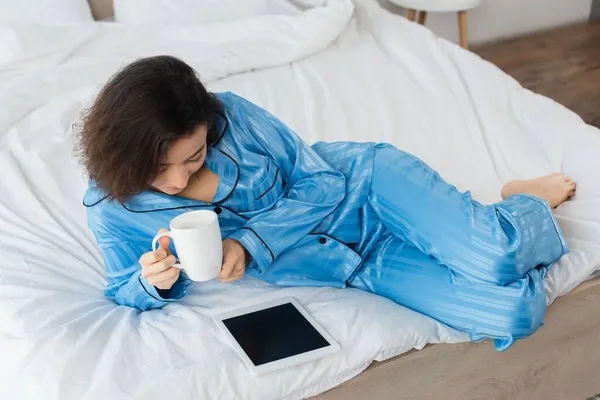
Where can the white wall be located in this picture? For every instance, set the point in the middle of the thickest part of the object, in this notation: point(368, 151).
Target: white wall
point(496, 19)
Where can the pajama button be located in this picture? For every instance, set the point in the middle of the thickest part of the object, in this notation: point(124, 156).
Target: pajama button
point(218, 210)
point(322, 240)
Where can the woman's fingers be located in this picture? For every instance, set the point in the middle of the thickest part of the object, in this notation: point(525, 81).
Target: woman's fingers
point(159, 266)
point(164, 241)
point(226, 270)
point(231, 279)
point(239, 268)
point(236, 273)
point(151, 257)
point(168, 275)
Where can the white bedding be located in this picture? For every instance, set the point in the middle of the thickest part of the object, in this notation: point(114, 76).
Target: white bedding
point(333, 73)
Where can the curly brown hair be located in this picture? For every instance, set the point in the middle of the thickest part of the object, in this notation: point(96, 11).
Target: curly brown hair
point(143, 108)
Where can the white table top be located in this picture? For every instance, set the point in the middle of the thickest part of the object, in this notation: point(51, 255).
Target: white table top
point(438, 5)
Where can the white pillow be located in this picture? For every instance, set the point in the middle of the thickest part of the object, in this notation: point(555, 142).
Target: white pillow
point(137, 12)
point(45, 11)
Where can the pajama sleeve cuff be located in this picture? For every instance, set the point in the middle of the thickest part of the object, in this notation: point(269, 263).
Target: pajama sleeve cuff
point(180, 288)
point(254, 244)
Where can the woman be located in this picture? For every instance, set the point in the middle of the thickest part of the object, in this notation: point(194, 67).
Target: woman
point(156, 144)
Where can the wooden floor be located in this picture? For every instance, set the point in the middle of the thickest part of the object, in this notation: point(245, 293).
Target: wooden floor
point(559, 362)
point(563, 64)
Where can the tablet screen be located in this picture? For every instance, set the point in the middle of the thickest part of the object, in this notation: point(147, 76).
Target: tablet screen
point(274, 333)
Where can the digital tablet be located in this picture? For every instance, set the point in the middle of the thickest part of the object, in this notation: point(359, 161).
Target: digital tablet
point(275, 335)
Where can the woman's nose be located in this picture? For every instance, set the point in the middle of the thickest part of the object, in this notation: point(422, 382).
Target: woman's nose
point(179, 177)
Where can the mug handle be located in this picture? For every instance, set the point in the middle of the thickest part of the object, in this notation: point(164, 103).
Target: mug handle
point(155, 242)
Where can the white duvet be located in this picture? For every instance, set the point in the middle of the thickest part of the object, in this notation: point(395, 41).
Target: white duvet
point(343, 71)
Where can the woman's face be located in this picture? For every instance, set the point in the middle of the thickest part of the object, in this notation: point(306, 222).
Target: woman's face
point(184, 158)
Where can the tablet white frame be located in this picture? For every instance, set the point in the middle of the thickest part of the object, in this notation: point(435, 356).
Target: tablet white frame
point(285, 362)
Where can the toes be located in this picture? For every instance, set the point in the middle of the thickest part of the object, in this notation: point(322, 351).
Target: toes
point(565, 178)
point(572, 188)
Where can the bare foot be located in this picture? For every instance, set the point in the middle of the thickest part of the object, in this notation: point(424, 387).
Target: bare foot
point(554, 188)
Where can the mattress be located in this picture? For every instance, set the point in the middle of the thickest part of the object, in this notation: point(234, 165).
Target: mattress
point(342, 71)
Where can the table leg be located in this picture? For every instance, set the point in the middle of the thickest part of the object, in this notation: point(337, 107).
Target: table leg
point(462, 26)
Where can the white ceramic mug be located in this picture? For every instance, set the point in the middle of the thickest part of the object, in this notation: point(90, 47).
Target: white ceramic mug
point(197, 239)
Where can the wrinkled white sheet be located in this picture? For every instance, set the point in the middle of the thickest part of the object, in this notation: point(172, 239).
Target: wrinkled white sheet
point(337, 72)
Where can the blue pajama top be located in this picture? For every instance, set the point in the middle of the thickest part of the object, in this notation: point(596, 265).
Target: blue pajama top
point(295, 208)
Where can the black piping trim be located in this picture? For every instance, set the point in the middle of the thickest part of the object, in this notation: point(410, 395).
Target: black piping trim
point(333, 238)
point(358, 268)
point(222, 115)
point(261, 239)
point(149, 294)
point(181, 207)
point(92, 205)
point(237, 179)
point(270, 187)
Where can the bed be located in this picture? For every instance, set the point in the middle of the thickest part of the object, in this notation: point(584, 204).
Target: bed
point(339, 71)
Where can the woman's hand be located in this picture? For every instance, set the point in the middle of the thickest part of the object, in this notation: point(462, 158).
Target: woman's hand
point(157, 265)
point(234, 261)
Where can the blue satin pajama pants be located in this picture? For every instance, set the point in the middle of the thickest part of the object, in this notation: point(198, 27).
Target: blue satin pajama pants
point(476, 268)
